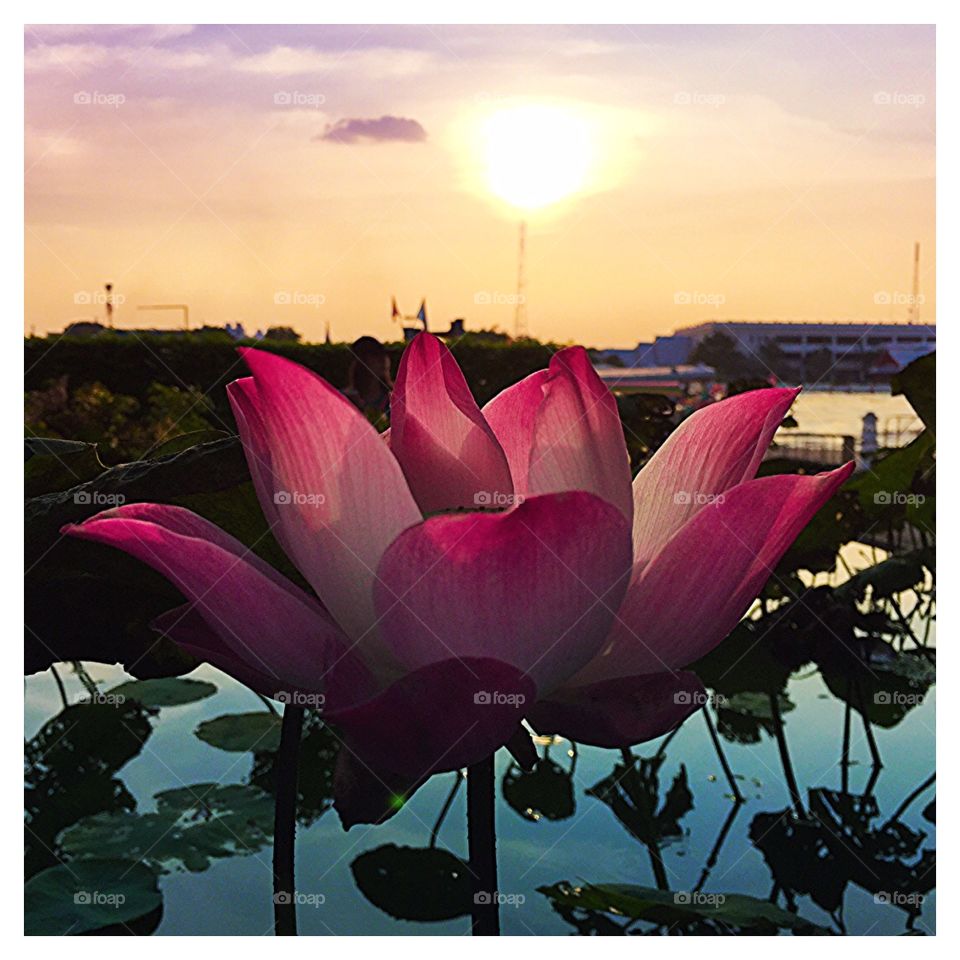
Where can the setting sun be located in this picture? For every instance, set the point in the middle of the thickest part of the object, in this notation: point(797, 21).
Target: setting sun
point(536, 154)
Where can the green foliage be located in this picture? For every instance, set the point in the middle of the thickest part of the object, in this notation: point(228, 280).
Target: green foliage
point(918, 383)
point(163, 692)
point(193, 826)
point(720, 351)
point(87, 601)
point(123, 426)
point(418, 884)
point(704, 913)
point(70, 771)
point(126, 365)
point(53, 465)
point(242, 732)
point(81, 898)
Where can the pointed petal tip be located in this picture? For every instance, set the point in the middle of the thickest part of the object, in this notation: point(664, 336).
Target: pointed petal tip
point(842, 473)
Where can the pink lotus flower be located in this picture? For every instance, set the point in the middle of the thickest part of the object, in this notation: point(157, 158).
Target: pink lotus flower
point(575, 607)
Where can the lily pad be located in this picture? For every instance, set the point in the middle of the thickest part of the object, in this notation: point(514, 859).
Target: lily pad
point(192, 827)
point(164, 691)
point(88, 895)
point(731, 912)
point(242, 732)
point(413, 883)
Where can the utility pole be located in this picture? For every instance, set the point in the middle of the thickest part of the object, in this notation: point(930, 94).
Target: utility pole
point(914, 314)
point(520, 308)
point(109, 303)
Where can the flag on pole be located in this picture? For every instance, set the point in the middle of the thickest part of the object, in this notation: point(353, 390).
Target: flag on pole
point(394, 312)
point(422, 313)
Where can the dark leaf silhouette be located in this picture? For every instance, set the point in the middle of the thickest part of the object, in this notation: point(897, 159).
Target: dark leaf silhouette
point(412, 883)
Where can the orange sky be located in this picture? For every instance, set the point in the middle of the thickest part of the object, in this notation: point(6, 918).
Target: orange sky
point(303, 176)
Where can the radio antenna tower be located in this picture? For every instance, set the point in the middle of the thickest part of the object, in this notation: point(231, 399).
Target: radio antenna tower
point(914, 314)
point(520, 308)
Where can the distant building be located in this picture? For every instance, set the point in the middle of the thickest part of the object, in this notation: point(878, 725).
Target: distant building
point(671, 351)
point(854, 347)
point(857, 351)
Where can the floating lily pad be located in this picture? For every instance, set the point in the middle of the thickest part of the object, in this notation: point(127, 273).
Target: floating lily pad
point(70, 771)
point(730, 912)
point(192, 827)
point(411, 883)
point(88, 895)
point(164, 692)
point(242, 732)
point(757, 705)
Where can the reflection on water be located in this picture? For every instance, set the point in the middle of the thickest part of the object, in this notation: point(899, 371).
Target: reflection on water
point(593, 841)
point(829, 412)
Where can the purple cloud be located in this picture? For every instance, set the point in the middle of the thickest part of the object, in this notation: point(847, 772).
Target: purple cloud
point(379, 130)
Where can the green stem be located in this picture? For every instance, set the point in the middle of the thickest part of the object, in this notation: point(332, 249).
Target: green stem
point(482, 841)
point(285, 824)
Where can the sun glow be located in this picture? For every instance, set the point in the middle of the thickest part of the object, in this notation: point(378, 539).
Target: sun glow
point(536, 154)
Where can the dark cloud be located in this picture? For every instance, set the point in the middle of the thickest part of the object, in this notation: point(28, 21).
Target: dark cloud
point(379, 130)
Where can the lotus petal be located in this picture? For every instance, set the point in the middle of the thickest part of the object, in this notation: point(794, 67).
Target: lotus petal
point(696, 589)
point(340, 492)
point(714, 449)
point(449, 454)
point(622, 712)
point(264, 620)
point(536, 587)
